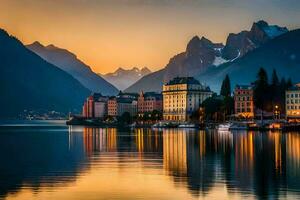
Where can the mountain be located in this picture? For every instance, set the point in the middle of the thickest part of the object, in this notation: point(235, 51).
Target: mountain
point(202, 54)
point(29, 82)
point(281, 53)
point(122, 78)
point(237, 45)
point(69, 62)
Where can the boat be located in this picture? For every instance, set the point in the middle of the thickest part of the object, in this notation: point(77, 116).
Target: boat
point(187, 126)
point(239, 126)
point(224, 127)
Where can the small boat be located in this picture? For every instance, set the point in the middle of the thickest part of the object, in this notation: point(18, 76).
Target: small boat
point(224, 127)
point(239, 126)
point(187, 126)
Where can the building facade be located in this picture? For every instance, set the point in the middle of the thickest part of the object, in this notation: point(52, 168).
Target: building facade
point(292, 103)
point(149, 101)
point(95, 106)
point(243, 101)
point(181, 97)
point(112, 107)
point(117, 106)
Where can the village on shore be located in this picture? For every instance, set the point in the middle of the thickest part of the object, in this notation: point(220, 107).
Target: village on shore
point(186, 103)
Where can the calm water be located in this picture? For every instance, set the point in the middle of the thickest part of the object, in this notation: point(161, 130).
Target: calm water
point(48, 160)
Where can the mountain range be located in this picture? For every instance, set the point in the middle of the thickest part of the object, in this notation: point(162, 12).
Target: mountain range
point(29, 82)
point(123, 78)
point(69, 62)
point(281, 53)
point(202, 56)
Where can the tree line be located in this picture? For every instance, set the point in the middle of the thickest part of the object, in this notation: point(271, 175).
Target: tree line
point(267, 95)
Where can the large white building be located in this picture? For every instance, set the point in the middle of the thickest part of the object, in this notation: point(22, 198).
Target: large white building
point(292, 103)
point(182, 96)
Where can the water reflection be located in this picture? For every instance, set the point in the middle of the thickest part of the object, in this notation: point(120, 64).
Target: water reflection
point(179, 163)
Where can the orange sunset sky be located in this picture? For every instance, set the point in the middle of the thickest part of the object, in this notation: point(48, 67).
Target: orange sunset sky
point(107, 34)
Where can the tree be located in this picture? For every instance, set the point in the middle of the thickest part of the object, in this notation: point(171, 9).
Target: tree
point(125, 118)
point(261, 91)
point(289, 83)
point(212, 107)
point(275, 89)
point(226, 88)
point(228, 105)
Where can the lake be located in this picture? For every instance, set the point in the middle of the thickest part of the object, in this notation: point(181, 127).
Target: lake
point(49, 160)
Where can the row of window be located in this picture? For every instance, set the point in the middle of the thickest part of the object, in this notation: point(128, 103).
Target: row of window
point(293, 107)
point(292, 95)
point(243, 110)
point(243, 98)
point(248, 104)
point(293, 101)
point(244, 92)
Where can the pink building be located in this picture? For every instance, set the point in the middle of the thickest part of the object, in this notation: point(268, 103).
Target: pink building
point(95, 106)
point(149, 101)
point(243, 101)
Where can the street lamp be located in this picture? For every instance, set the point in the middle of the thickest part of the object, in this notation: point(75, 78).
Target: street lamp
point(277, 112)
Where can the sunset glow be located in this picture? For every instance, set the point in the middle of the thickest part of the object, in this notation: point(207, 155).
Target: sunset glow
point(118, 33)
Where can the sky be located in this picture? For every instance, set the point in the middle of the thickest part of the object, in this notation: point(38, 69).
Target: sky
point(108, 34)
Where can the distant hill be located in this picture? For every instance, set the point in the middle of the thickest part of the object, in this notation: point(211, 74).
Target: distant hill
point(202, 54)
point(123, 78)
point(69, 62)
point(29, 82)
point(281, 53)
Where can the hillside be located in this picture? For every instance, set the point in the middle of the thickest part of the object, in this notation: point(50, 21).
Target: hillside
point(29, 82)
point(69, 62)
point(202, 55)
point(281, 53)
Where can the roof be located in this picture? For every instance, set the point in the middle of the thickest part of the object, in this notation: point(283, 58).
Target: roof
point(124, 100)
point(97, 95)
point(183, 80)
point(244, 87)
point(294, 87)
point(157, 96)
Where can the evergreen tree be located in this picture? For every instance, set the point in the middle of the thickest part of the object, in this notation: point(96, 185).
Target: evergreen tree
point(261, 90)
point(275, 89)
point(282, 89)
point(289, 83)
point(275, 80)
point(226, 88)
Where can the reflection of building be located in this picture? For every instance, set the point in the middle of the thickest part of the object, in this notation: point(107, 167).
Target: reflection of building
point(181, 97)
point(95, 106)
point(175, 155)
point(149, 101)
point(243, 101)
point(293, 102)
point(99, 139)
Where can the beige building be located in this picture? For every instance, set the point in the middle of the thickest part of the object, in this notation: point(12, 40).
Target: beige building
point(292, 104)
point(118, 106)
point(181, 97)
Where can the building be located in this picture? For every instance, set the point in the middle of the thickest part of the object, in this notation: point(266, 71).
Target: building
point(182, 96)
point(149, 101)
point(243, 101)
point(95, 106)
point(292, 103)
point(117, 106)
point(112, 106)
